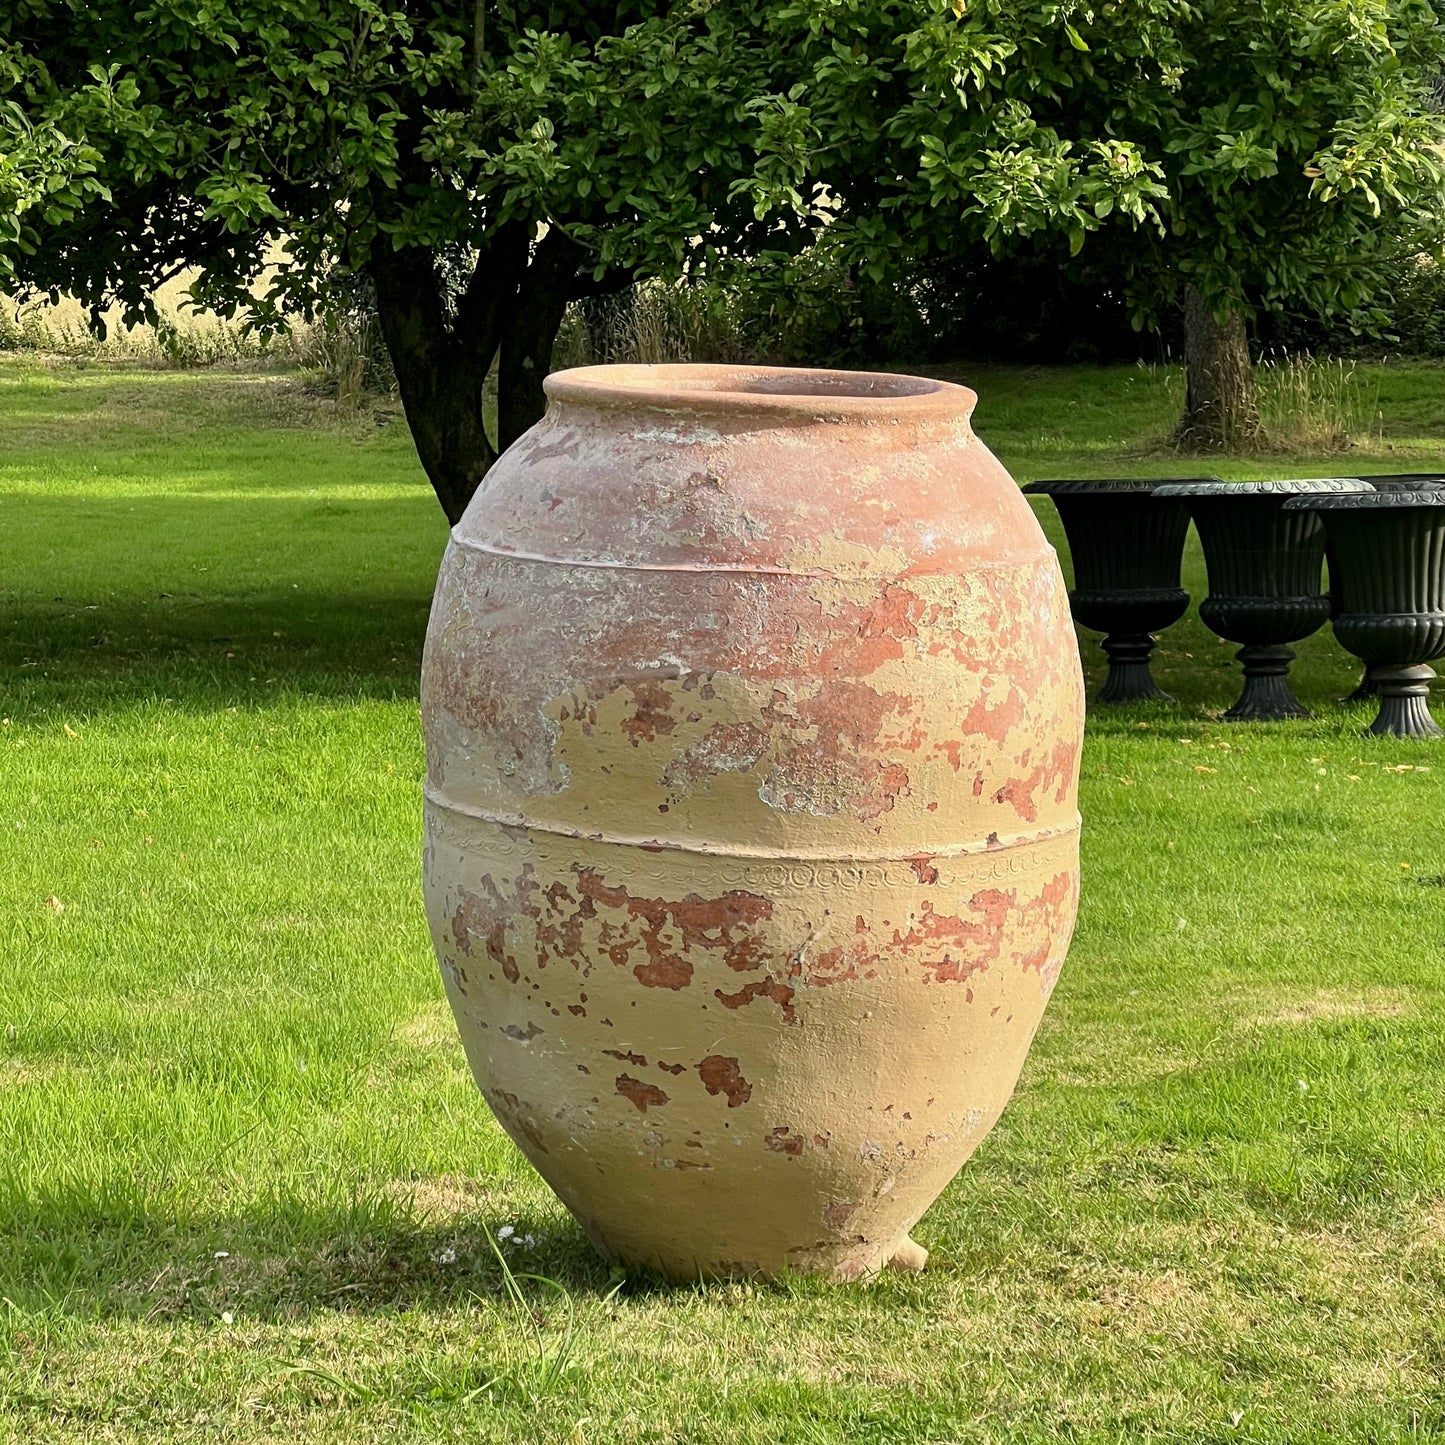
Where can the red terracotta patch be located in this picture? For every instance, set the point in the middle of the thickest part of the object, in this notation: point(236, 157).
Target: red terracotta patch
point(522, 1035)
point(783, 1141)
point(625, 1057)
point(645, 1096)
point(780, 994)
point(651, 714)
point(726, 748)
point(721, 1075)
point(669, 929)
point(922, 865)
point(1057, 768)
point(481, 919)
point(515, 1118)
point(673, 973)
point(997, 721)
point(857, 959)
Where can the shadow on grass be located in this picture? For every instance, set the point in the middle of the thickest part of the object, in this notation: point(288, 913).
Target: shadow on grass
point(203, 652)
point(78, 1255)
point(106, 601)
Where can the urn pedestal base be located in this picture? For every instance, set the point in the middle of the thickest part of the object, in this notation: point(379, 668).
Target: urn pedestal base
point(1129, 678)
point(1404, 703)
point(1266, 696)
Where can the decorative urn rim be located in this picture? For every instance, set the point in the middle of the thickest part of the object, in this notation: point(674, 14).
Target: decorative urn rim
point(1274, 487)
point(777, 393)
point(1406, 481)
point(1339, 501)
point(1106, 486)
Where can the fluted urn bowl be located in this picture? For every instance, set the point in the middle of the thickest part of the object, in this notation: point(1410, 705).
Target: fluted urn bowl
point(1127, 544)
point(753, 715)
point(1389, 554)
point(1384, 482)
point(1265, 579)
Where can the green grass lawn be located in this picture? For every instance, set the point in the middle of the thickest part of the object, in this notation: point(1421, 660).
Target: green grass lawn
point(245, 1178)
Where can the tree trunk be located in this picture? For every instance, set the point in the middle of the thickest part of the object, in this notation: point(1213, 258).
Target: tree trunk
point(530, 330)
point(439, 374)
point(1219, 409)
point(509, 315)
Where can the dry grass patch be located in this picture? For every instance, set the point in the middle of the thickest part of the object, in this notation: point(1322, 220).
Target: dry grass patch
point(1327, 1004)
point(433, 1028)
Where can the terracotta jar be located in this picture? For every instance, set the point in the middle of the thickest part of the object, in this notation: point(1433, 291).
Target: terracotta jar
point(753, 714)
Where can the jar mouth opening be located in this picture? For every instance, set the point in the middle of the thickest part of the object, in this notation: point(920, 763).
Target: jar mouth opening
point(805, 391)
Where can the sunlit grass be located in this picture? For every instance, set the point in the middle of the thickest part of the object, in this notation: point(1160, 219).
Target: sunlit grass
point(246, 1180)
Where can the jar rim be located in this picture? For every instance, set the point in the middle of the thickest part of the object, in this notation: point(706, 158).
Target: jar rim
point(803, 392)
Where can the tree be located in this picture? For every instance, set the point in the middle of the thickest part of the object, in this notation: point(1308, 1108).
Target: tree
point(483, 162)
point(1262, 152)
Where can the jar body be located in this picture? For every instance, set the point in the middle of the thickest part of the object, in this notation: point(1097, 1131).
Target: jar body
point(753, 725)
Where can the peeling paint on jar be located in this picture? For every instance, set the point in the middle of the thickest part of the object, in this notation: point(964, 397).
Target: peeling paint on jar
point(753, 715)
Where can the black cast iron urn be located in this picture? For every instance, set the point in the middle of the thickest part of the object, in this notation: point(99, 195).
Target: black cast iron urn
point(1265, 589)
point(1389, 555)
point(1126, 546)
point(1398, 481)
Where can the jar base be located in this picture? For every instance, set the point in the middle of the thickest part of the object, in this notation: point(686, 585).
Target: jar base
point(909, 1258)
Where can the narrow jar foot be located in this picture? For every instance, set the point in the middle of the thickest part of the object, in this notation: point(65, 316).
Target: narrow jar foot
point(1129, 678)
point(1266, 696)
point(1404, 703)
point(909, 1257)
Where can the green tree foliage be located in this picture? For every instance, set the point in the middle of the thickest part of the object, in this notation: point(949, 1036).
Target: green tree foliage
point(1264, 153)
point(484, 162)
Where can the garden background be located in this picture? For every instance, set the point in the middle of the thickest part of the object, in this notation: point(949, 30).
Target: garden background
point(250, 1192)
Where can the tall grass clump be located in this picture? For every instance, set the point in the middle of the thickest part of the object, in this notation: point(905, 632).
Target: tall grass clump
point(655, 321)
point(812, 309)
point(1314, 404)
point(1308, 405)
point(342, 348)
point(180, 338)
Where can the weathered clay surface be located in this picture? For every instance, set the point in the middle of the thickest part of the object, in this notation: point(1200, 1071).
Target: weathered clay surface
point(753, 714)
